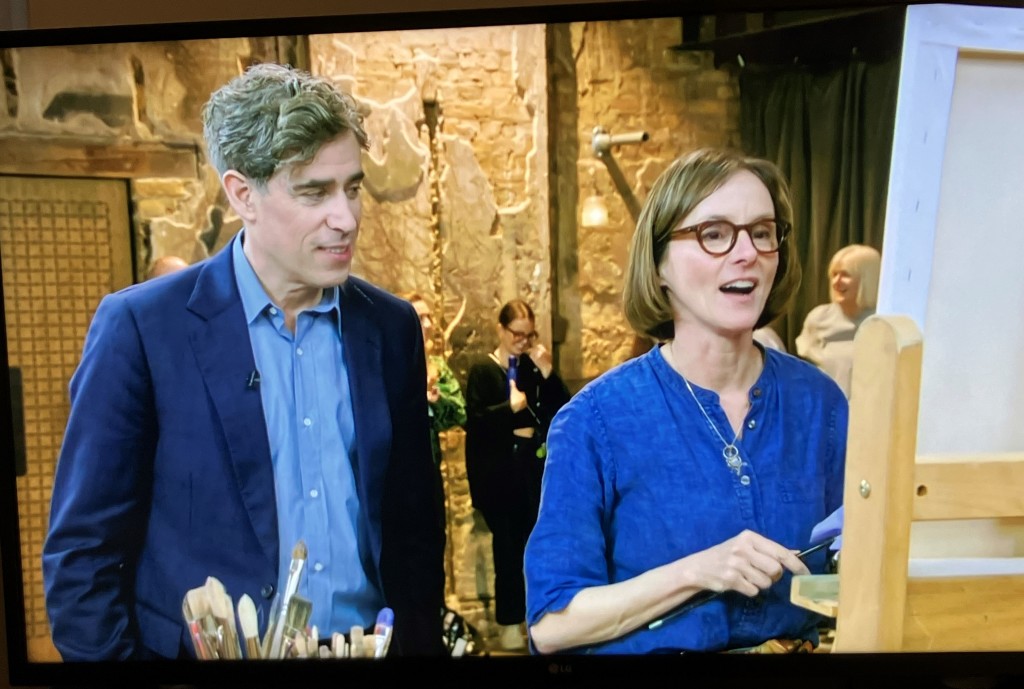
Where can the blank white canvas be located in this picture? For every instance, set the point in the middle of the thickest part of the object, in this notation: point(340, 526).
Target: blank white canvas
point(972, 388)
point(953, 252)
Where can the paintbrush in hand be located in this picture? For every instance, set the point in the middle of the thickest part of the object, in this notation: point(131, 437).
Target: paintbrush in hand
point(702, 597)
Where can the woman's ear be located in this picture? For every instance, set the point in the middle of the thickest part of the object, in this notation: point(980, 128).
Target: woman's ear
point(239, 191)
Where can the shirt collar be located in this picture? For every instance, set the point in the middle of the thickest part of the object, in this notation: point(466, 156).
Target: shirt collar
point(759, 390)
point(254, 298)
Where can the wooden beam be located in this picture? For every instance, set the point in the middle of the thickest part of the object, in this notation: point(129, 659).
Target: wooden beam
point(976, 613)
point(877, 498)
point(67, 157)
point(953, 613)
point(969, 487)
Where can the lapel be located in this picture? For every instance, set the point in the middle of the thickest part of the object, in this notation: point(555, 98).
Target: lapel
point(361, 339)
point(220, 341)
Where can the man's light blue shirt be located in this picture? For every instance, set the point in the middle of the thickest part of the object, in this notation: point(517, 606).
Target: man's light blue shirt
point(307, 405)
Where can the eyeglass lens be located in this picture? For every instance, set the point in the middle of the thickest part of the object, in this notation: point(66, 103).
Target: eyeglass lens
point(719, 236)
point(521, 335)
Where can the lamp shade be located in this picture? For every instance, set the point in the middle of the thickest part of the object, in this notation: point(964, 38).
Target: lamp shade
point(595, 212)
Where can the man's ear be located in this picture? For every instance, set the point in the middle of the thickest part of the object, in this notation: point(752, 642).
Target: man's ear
point(239, 191)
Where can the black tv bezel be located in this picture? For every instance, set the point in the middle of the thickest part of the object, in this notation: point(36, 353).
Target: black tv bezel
point(558, 670)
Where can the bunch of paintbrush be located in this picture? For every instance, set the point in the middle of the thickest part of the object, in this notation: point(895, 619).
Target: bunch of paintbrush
point(284, 617)
point(358, 644)
point(211, 622)
point(304, 642)
point(210, 617)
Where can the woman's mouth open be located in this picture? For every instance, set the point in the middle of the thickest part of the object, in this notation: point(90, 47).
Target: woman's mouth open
point(740, 287)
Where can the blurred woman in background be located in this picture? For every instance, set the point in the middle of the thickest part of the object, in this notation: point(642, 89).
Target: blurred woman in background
point(511, 397)
point(827, 336)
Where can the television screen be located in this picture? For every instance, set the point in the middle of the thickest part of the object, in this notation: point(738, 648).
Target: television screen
point(509, 154)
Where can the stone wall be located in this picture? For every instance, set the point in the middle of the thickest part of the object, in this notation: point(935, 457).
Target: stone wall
point(624, 77)
point(133, 94)
point(476, 99)
point(457, 188)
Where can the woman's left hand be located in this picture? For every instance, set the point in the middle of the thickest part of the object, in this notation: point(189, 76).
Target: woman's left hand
point(542, 357)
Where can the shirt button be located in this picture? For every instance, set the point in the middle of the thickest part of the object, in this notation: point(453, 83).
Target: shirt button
point(273, 311)
point(267, 590)
point(757, 392)
point(751, 424)
point(307, 421)
point(299, 351)
point(313, 493)
point(318, 566)
point(745, 480)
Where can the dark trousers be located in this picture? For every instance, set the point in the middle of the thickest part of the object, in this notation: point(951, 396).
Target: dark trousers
point(511, 526)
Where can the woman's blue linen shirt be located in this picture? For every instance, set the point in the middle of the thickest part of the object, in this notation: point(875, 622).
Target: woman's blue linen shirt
point(635, 479)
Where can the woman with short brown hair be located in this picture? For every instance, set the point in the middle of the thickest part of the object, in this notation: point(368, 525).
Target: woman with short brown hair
point(703, 464)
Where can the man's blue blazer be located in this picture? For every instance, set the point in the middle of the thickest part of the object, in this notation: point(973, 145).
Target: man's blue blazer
point(165, 477)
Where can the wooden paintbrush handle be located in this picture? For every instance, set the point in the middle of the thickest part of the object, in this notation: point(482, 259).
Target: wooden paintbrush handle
point(252, 649)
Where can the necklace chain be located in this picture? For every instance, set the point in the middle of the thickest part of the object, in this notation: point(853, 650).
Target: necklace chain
point(730, 453)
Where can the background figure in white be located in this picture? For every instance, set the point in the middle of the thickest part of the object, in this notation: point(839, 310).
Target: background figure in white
point(827, 336)
point(769, 338)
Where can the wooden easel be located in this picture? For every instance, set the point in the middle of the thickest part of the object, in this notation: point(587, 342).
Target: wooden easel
point(881, 600)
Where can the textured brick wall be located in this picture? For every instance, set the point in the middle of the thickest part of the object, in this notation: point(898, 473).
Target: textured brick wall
point(487, 239)
point(624, 78)
point(457, 118)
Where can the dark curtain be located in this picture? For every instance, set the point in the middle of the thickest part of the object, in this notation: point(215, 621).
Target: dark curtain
point(830, 132)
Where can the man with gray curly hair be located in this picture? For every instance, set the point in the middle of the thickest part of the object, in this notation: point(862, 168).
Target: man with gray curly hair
point(257, 414)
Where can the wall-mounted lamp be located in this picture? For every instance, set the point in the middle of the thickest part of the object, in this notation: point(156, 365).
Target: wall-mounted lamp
point(594, 212)
point(602, 143)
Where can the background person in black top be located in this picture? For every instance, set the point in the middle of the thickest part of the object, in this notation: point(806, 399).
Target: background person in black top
point(506, 428)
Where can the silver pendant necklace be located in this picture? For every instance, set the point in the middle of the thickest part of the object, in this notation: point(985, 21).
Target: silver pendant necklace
point(730, 453)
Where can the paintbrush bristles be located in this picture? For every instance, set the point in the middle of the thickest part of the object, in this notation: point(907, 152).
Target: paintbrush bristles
point(293, 631)
point(198, 603)
point(247, 620)
point(299, 552)
point(224, 616)
point(247, 617)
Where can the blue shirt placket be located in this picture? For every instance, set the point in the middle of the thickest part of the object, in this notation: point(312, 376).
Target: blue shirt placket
point(311, 431)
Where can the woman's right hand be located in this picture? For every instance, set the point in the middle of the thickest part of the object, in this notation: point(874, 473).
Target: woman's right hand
point(747, 563)
point(516, 398)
